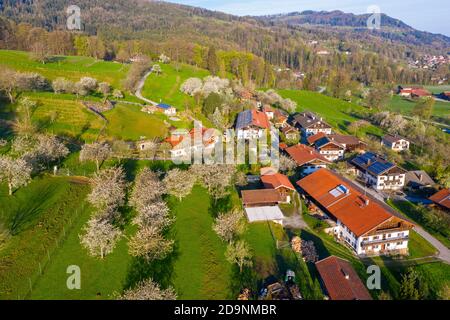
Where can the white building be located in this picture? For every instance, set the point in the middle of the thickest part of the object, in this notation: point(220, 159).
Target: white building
point(379, 173)
point(395, 143)
point(310, 124)
point(251, 124)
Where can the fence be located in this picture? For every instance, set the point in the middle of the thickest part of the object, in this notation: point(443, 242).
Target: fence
point(49, 253)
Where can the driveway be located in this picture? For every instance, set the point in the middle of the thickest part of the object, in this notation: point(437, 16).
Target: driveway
point(140, 86)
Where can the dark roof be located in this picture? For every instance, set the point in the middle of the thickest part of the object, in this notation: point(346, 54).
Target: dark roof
point(419, 177)
point(340, 280)
point(322, 142)
point(393, 138)
point(373, 163)
point(164, 106)
point(309, 119)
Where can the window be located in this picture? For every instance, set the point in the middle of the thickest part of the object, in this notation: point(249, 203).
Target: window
point(375, 238)
point(388, 235)
point(399, 243)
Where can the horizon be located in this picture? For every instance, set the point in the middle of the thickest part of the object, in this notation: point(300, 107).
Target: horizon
point(429, 18)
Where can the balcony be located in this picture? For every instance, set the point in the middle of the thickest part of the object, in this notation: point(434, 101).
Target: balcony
point(384, 240)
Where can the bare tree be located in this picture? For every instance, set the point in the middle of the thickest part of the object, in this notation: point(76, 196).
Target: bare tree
point(149, 290)
point(108, 189)
point(149, 243)
point(240, 254)
point(179, 183)
point(97, 152)
point(100, 237)
point(216, 178)
point(191, 86)
point(15, 172)
point(228, 225)
point(8, 82)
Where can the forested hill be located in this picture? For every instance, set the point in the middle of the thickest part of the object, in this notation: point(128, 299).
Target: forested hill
point(124, 18)
point(352, 24)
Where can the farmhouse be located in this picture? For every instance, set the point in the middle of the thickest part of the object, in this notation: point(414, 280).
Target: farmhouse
point(330, 149)
point(310, 124)
point(251, 124)
point(167, 109)
point(340, 281)
point(307, 158)
point(444, 95)
point(413, 92)
point(442, 199)
point(364, 224)
point(378, 172)
point(183, 144)
point(279, 118)
point(395, 142)
point(280, 183)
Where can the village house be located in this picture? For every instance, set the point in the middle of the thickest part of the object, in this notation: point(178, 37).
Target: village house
point(444, 95)
point(442, 199)
point(364, 224)
point(251, 124)
point(330, 149)
point(307, 158)
point(262, 205)
point(378, 172)
point(310, 124)
point(167, 109)
point(350, 143)
point(280, 183)
point(279, 118)
point(185, 143)
point(290, 133)
point(413, 92)
point(419, 180)
point(340, 281)
point(395, 142)
point(268, 110)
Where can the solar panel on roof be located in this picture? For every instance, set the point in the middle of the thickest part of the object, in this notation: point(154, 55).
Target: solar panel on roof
point(380, 167)
point(244, 119)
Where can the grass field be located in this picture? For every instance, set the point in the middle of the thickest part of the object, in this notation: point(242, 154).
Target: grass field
point(70, 67)
point(336, 112)
point(166, 86)
point(35, 217)
point(411, 211)
point(404, 106)
point(200, 269)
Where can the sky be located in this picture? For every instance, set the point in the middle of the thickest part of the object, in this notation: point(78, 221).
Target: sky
point(431, 15)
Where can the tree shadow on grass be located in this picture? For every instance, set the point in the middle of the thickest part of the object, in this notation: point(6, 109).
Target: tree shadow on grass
point(28, 211)
point(247, 279)
point(322, 250)
point(160, 271)
point(222, 205)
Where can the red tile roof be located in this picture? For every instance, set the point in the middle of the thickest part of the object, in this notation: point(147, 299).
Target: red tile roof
point(260, 119)
point(350, 208)
point(314, 138)
point(260, 197)
point(303, 154)
point(275, 181)
point(442, 198)
point(340, 280)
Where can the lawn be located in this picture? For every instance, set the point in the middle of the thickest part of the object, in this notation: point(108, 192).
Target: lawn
point(411, 211)
point(335, 111)
point(405, 106)
point(166, 86)
point(200, 270)
point(70, 67)
point(35, 217)
point(127, 122)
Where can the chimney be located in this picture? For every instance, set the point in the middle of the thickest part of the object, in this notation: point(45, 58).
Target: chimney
point(346, 275)
point(367, 202)
point(420, 176)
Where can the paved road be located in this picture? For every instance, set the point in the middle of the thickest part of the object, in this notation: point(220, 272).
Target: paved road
point(444, 252)
point(140, 86)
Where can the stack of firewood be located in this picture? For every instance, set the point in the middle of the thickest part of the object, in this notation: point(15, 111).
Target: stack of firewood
point(309, 251)
point(245, 295)
point(296, 244)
